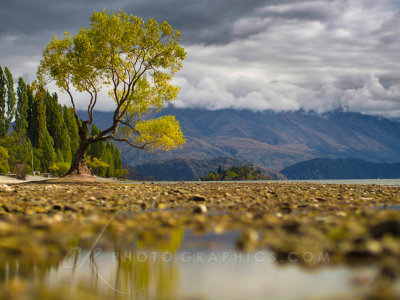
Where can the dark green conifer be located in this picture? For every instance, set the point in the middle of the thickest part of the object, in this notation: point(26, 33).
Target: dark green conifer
point(117, 158)
point(72, 126)
point(11, 100)
point(33, 125)
point(45, 142)
point(57, 128)
point(98, 149)
point(3, 100)
point(21, 115)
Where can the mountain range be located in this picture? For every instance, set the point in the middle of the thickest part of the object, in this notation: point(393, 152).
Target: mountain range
point(273, 140)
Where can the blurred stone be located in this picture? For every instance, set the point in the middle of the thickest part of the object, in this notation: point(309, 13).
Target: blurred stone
point(197, 197)
point(200, 209)
point(391, 227)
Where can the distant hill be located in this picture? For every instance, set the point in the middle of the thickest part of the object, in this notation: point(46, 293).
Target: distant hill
point(274, 140)
point(193, 169)
point(327, 168)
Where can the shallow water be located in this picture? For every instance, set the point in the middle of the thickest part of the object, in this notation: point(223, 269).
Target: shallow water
point(185, 267)
point(392, 182)
point(389, 207)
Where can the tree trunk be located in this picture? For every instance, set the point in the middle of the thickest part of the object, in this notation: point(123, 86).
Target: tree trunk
point(78, 165)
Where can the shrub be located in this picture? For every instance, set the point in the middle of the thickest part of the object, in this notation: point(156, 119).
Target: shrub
point(21, 170)
point(121, 173)
point(4, 166)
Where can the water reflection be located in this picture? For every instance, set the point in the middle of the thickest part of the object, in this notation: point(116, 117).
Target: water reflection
point(389, 207)
point(184, 266)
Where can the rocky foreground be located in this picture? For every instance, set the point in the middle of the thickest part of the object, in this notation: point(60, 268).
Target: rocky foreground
point(346, 224)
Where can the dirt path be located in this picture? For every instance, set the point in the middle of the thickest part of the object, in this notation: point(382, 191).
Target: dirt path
point(4, 179)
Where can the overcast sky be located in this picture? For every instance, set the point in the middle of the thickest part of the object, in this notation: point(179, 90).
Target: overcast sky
point(256, 54)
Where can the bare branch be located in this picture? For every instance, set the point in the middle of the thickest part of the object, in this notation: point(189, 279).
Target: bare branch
point(130, 143)
point(90, 114)
point(73, 104)
point(93, 102)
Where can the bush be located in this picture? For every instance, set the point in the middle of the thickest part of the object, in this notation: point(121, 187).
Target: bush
point(53, 169)
point(63, 168)
point(121, 173)
point(4, 166)
point(59, 169)
point(21, 170)
point(97, 166)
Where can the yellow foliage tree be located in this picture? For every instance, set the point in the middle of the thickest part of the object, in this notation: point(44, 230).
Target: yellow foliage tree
point(135, 60)
point(96, 165)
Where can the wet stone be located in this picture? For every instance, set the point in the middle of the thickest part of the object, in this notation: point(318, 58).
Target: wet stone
point(200, 209)
point(197, 198)
point(391, 227)
point(57, 207)
point(285, 208)
point(291, 226)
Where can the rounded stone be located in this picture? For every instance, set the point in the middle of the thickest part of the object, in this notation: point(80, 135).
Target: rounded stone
point(200, 209)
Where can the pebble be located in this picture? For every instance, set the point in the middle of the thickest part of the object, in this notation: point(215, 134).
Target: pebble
point(161, 206)
point(5, 188)
point(197, 198)
point(390, 227)
point(200, 209)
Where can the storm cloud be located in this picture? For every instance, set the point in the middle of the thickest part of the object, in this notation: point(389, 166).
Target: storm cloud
point(279, 55)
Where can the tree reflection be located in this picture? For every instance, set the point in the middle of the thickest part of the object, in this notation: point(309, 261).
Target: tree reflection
point(147, 270)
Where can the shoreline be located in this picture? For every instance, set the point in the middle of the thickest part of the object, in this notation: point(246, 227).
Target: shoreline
point(6, 179)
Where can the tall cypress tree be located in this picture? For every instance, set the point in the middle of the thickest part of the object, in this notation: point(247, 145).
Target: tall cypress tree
point(57, 128)
point(47, 147)
point(97, 149)
point(11, 100)
point(110, 159)
point(117, 158)
point(72, 126)
point(21, 115)
point(33, 126)
point(45, 142)
point(3, 100)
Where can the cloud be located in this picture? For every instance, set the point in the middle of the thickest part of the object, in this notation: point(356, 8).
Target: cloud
point(316, 55)
point(256, 54)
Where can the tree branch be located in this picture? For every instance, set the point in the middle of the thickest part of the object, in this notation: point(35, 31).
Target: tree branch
point(130, 143)
point(73, 104)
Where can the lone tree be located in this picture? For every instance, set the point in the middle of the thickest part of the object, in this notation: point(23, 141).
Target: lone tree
point(135, 61)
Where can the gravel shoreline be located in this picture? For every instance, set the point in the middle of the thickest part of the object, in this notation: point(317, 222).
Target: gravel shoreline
point(349, 224)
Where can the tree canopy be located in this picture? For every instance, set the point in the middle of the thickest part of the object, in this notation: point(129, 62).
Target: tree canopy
point(133, 59)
